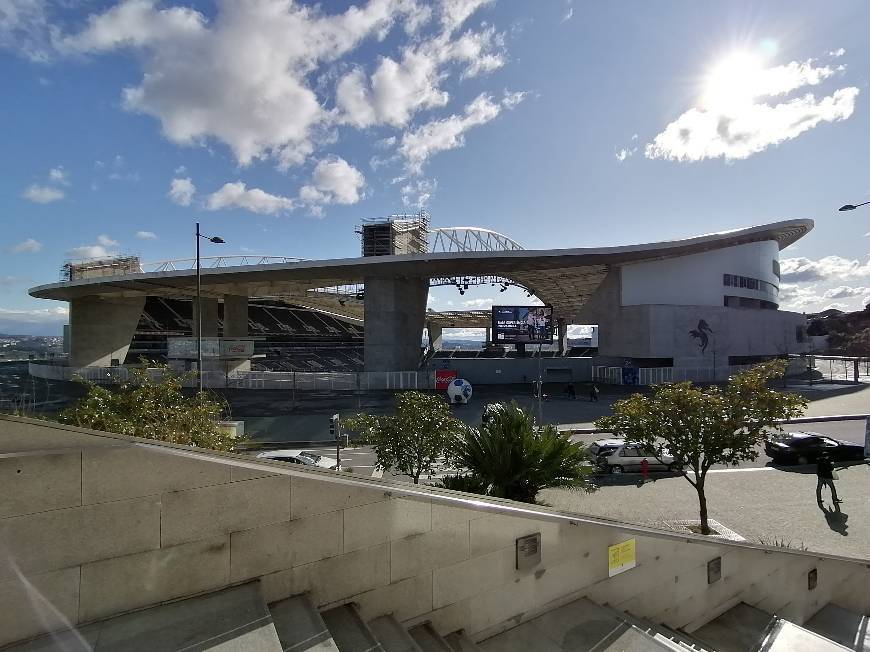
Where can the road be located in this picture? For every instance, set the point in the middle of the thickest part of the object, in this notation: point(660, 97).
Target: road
point(362, 460)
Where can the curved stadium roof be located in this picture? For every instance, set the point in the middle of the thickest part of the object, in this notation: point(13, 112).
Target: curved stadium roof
point(564, 278)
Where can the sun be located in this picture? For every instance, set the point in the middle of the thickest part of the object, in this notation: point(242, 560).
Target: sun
point(733, 82)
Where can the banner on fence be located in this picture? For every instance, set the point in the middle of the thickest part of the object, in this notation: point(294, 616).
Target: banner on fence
point(443, 377)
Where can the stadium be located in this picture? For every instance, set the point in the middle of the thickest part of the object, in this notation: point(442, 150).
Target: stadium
point(695, 308)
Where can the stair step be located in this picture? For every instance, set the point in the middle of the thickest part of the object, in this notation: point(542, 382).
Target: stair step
point(349, 631)
point(741, 628)
point(785, 636)
point(300, 627)
point(459, 642)
point(428, 639)
point(231, 619)
point(841, 625)
point(392, 636)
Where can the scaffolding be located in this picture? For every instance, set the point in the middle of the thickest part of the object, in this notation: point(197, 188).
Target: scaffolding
point(403, 233)
point(98, 267)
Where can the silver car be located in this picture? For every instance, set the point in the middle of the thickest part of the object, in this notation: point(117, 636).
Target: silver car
point(627, 458)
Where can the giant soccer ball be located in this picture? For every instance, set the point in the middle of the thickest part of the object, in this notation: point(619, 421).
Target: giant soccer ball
point(459, 391)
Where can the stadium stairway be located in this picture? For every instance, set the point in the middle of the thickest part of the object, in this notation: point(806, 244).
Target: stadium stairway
point(238, 618)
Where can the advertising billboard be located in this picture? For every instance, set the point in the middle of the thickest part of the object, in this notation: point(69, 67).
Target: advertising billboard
point(522, 324)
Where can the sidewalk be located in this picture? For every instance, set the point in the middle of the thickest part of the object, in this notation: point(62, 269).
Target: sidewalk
point(763, 505)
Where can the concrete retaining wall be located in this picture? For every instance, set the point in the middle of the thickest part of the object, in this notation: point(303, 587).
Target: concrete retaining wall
point(92, 525)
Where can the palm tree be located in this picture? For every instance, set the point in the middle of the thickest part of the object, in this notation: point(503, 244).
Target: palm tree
point(514, 459)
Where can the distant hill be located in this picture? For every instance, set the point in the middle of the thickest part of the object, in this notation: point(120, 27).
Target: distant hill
point(848, 332)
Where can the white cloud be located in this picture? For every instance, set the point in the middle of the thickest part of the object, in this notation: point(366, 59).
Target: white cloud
point(417, 193)
point(627, 151)
point(399, 89)
point(796, 270)
point(182, 191)
point(733, 119)
point(181, 169)
point(90, 251)
point(568, 15)
point(146, 235)
point(29, 246)
point(241, 77)
point(25, 30)
point(237, 195)
point(449, 133)
point(106, 241)
point(34, 316)
point(845, 291)
point(334, 181)
point(43, 194)
point(58, 175)
point(477, 304)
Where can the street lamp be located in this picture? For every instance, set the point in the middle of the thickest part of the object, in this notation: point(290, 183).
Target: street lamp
point(216, 240)
point(851, 207)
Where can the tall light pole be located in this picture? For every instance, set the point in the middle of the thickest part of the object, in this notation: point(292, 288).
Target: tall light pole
point(216, 240)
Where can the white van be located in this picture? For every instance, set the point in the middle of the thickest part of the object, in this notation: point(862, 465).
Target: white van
point(628, 457)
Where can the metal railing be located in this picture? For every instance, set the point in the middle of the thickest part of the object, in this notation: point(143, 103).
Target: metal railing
point(212, 262)
point(288, 380)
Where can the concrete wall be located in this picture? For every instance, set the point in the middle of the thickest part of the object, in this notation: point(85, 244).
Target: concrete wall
point(101, 330)
point(395, 309)
point(235, 316)
point(209, 317)
point(696, 280)
point(94, 525)
point(503, 371)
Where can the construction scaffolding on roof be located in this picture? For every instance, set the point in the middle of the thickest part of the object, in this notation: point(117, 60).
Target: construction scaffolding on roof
point(395, 235)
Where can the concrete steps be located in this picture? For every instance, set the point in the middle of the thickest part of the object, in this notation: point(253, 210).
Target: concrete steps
point(428, 639)
point(392, 636)
point(237, 618)
point(349, 631)
point(842, 626)
point(231, 619)
point(744, 627)
point(300, 627)
point(459, 642)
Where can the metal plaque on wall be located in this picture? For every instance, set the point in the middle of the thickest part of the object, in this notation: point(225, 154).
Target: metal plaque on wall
point(714, 570)
point(529, 551)
point(812, 579)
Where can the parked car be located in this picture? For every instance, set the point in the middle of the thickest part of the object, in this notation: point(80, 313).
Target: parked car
point(627, 458)
point(308, 458)
point(603, 447)
point(805, 448)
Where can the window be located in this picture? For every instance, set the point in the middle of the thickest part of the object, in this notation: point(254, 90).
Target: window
point(726, 280)
point(776, 271)
point(629, 451)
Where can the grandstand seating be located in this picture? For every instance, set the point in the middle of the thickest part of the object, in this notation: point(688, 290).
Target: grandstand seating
point(289, 338)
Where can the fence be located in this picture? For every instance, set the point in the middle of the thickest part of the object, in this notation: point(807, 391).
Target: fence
point(662, 375)
point(289, 380)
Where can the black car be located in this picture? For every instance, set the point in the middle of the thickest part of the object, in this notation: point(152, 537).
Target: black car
point(805, 448)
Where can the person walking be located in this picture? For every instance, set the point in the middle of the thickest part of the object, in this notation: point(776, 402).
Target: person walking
point(644, 470)
point(593, 393)
point(825, 478)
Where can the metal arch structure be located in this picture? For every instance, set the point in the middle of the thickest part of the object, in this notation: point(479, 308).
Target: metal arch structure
point(455, 239)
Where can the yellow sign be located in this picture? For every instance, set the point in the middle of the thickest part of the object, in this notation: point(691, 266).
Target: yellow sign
point(621, 557)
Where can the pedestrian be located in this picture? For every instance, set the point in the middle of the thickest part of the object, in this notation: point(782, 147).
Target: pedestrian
point(593, 393)
point(644, 470)
point(826, 475)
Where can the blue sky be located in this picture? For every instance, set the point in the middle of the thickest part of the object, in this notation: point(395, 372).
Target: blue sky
point(280, 125)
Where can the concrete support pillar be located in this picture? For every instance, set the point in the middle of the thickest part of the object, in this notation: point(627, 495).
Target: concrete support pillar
point(562, 334)
point(235, 316)
point(434, 336)
point(395, 310)
point(209, 317)
point(101, 329)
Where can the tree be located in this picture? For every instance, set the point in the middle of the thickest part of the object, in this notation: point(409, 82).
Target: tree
point(701, 427)
point(413, 440)
point(153, 406)
point(511, 458)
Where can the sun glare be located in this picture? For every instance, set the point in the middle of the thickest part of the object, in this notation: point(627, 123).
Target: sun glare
point(733, 81)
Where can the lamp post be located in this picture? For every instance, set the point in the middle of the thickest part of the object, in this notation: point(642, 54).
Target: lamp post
point(216, 240)
point(851, 207)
